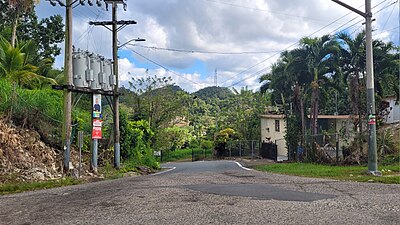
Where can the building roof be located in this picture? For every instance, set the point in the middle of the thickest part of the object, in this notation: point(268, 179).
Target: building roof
point(333, 116)
point(273, 116)
point(281, 116)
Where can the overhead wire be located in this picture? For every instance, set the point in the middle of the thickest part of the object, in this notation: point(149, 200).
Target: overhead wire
point(256, 73)
point(160, 65)
point(263, 10)
point(202, 52)
point(390, 15)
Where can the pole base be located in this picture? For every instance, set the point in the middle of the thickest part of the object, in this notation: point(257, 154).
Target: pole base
point(374, 173)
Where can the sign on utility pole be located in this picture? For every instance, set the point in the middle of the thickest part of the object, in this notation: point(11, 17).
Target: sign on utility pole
point(372, 152)
point(96, 128)
point(114, 23)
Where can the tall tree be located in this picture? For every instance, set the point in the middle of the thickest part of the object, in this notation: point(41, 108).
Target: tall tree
point(352, 63)
point(318, 55)
point(44, 33)
point(18, 8)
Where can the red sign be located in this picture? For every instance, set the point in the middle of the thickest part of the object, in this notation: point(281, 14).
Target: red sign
point(97, 123)
point(371, 120)
point(96, 133)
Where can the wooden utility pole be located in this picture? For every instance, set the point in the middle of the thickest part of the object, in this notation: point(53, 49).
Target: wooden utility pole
point(66, 125)
point(117, 146)
point(372, 152)
point(114, 23)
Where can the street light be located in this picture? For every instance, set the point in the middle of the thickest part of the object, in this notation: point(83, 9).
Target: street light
point(135, 40)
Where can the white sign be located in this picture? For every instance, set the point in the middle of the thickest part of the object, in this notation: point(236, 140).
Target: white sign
point(96, 105)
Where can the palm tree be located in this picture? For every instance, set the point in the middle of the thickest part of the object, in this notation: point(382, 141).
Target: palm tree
point(287, 81)
point(15, 66)
point(318, 55)
point(352, 63)
point(386, 68)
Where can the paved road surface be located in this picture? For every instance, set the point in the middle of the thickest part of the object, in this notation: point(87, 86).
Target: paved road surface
point(218, 192)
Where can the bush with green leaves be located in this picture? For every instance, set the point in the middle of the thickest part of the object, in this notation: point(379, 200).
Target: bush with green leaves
point(174, 138)
point(293, 134)
point(135, 142)
point(221, 139)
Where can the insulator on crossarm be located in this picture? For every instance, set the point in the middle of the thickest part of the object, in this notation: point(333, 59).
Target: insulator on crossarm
point(52, 3)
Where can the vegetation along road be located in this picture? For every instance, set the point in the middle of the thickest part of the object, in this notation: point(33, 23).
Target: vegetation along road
point(211, 192)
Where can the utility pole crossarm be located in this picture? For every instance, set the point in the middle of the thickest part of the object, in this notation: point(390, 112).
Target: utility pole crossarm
point(363, 14)
point(109, 23)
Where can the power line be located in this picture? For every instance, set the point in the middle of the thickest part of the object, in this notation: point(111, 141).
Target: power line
point(252, 75)
point(387, 20)
point(262, 61)
point(203, 52)
point(263, 10)
point(89, 29)
point(158, 64)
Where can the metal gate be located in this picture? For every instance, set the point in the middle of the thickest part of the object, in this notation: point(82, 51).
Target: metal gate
point(243, 148)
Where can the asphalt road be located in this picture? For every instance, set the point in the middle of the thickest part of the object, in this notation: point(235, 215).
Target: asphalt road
point(218, 192)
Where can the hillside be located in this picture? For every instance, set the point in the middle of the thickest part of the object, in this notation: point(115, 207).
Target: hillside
point(24, 156)
point(213, 92)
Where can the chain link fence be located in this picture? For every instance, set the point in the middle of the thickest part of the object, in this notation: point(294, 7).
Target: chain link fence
point(324, 147)
point(243, 148)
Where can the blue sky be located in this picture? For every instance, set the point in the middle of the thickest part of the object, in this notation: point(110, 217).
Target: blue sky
point(187, 40)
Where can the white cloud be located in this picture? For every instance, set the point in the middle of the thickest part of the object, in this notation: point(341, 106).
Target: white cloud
point(219, 26)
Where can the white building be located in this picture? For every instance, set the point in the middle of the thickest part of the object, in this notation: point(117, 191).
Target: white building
point(273, 129)
point(393, 110)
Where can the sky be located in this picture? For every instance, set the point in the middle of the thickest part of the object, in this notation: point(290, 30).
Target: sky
point(228, 43)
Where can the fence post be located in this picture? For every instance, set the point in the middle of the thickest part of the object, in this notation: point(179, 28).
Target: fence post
point(252, 149)
point(337, 148)
point(240, 149)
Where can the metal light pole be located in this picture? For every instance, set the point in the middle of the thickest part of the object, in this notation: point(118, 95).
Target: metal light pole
point(372, 152)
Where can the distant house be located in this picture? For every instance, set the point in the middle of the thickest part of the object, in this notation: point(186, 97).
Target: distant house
point(392, 111)
point(273, 129)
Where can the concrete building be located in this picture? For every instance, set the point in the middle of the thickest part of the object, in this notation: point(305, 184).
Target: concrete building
point(392, 110)
point(273, 129)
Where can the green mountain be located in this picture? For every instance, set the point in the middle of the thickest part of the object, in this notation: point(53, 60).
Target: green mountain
point(213, 92)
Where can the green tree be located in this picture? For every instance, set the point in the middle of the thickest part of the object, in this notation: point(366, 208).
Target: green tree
point(318, 54)
point(352, 64)
point(45, 33)
point(174, 138)
point(16, 8)
point(15, 65)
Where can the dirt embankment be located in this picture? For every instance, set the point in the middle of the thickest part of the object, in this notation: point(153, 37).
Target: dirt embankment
point(24, 157)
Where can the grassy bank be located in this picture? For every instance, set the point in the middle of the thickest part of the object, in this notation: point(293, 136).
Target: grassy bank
point(390, 173)
point(21, 187)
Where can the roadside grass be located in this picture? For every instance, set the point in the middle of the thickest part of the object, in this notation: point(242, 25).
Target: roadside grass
point(21, 187)
point(390, 173)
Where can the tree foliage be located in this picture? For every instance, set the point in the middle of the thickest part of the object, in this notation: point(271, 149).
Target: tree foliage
point(20, 24)
point(327, 75)
point(15, 65)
